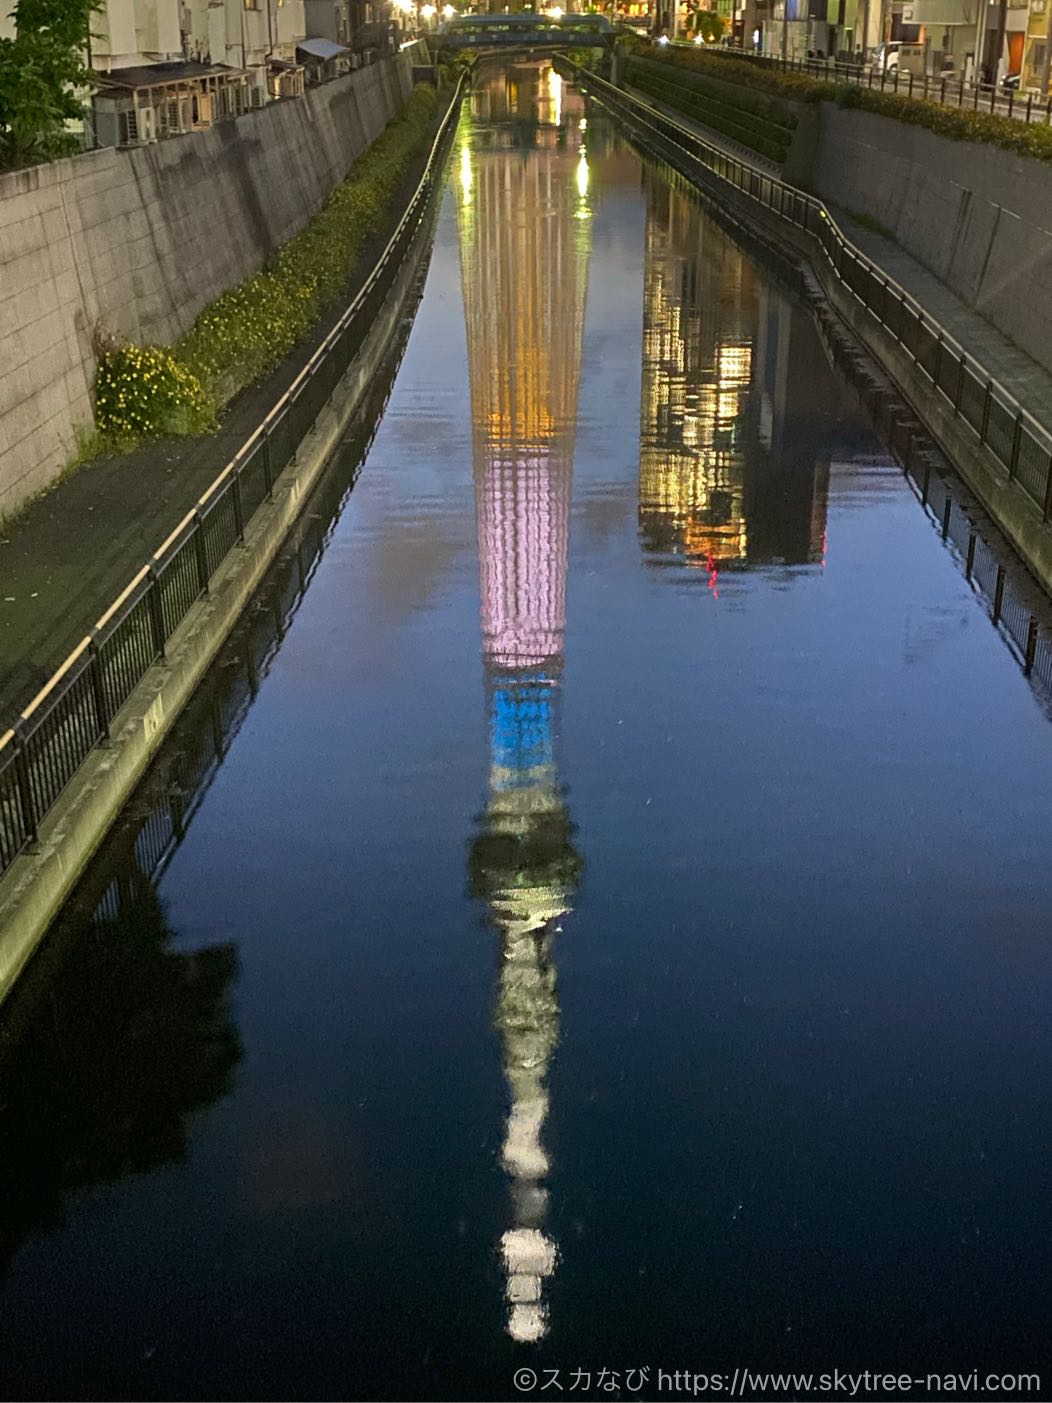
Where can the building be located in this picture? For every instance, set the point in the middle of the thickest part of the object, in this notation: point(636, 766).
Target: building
point(166, 67)
point(341, 20)
point(1037, 55)
point(524, 239)
point(1009, 20)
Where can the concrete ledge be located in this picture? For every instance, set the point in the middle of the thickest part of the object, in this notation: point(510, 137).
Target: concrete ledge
point(1008, 504)
point(1006, 501)
point(35, 887)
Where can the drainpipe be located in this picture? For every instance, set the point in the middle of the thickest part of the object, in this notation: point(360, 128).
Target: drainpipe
point(91, 96)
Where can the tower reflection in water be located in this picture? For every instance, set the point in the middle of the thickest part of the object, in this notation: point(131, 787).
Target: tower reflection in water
point(734, 458)
point(524, 240)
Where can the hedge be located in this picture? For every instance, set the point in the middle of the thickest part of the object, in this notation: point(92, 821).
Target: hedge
point(956, 123)
point(145, 391)
point(764, 109)
point(768, 138)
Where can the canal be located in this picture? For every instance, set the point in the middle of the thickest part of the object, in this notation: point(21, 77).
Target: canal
point(596, 913)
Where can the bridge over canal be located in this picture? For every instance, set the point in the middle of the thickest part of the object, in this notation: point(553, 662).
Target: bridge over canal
point(527, 30)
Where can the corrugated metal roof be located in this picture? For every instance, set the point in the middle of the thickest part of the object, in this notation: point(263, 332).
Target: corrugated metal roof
point(149, 76)
point(321, 48)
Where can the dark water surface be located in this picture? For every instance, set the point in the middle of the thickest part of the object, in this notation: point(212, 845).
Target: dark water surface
point(598, 912)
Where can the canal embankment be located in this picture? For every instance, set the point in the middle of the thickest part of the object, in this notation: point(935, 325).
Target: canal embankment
point(323, 397)
point(966, 194)
point(132, 243)
point(72, 550)
point(983, 399)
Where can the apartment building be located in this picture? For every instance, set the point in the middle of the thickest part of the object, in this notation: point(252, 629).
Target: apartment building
point(171, 66)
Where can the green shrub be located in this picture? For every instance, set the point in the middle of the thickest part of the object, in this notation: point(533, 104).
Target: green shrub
point(741, 124)
point(142, 391)
point(956, 123)
point(698, 79)
point(251, 328)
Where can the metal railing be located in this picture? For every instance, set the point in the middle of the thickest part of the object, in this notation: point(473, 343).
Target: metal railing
point(1012, 437)
point(75, 710)
point(945, 89)
point(1005, 591)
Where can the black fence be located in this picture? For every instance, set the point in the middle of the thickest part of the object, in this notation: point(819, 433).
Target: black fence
point(1012, 437)
point(75, 710)
point(1004, 587)
point(948, 90)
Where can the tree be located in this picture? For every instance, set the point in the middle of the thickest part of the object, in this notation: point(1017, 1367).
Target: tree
point(709, 25)
point(43, 79)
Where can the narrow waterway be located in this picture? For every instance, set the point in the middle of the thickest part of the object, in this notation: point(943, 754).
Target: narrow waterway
point(597, 913)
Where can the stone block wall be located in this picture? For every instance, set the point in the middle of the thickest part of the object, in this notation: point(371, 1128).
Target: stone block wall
point(135, 243)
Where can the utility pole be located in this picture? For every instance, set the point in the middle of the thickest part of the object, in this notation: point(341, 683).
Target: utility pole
point(980, 40)
point(995, 57)
point(785, 29)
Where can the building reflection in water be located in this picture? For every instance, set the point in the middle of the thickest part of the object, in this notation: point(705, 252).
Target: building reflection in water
point(524, 235)
point(732, 469)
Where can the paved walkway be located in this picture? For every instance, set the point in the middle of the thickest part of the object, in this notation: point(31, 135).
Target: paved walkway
point(71, 552)
point(1000, 357)
point(996, 353)
point(74, 550)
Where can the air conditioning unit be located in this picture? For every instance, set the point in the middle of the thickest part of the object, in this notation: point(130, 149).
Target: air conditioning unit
point(147, 123)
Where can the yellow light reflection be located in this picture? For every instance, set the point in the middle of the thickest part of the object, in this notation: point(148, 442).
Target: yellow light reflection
point(555, 93)
point(465, 174)
point(734, 364)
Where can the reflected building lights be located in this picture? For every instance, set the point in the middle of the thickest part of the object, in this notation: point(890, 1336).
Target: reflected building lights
point(722, 483)
point(524, 264)
point(697, 357)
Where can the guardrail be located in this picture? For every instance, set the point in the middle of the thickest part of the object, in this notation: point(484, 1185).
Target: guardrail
point(1015, 440)
point(944, 90)
point(74, 711)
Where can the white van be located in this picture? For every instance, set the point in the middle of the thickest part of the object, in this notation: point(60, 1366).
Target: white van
point(892, 56)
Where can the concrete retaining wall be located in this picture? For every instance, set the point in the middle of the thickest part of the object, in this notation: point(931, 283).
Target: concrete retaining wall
point(136, 242)
point(979, 217)
point(34, 888)
point(1011, 508)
